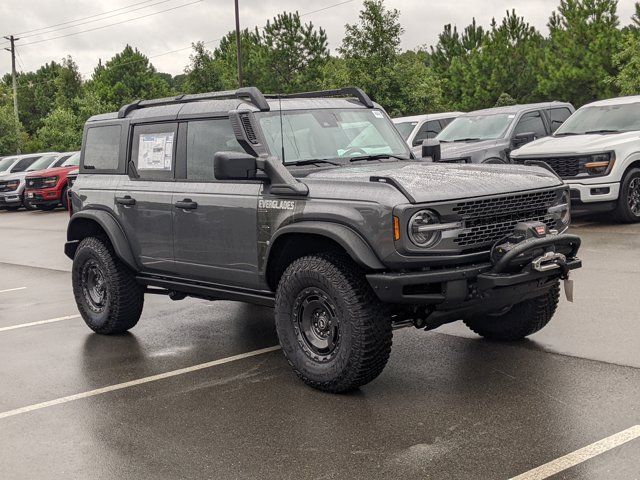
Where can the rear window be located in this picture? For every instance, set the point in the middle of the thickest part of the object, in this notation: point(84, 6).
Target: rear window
point(102, 148)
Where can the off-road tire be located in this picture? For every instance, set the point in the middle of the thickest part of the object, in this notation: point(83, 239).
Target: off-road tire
point(123, 296)
point(623, 212)
point(522, 320)
point(365, 334)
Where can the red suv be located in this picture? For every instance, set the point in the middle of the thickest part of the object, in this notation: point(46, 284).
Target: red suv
point(47, 189)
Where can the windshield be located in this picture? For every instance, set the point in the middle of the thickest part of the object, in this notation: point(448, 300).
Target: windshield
point(72, 161)
point(5, 163)
point(605, 119)
point(405, 128)
point(476, 127)
point(41, 163)
point(331, 134)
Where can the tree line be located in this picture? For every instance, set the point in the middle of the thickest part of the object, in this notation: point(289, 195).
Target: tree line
point(587, 55)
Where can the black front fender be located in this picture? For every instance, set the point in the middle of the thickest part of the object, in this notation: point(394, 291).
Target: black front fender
point(357, 248)
point(91, 222)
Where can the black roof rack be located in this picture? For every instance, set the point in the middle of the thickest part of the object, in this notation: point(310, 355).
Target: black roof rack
point(252, 93)
point(339, 92)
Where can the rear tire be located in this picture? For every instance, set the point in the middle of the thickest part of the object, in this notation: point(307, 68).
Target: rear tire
point(522, 320)
point(628, 209)
point(106, 292)
point(333, 330)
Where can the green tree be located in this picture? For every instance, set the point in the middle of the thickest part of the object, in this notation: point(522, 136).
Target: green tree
point(505, 100)
point(128, 76)
point(578, 58)
point(294, 54)
point(627, 60)
point(61, 131)
point(253, 61)
point(68, 84)
point(203, 74)
point(10, 130)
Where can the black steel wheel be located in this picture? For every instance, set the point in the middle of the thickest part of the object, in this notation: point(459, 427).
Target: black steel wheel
point(333, 330)
point(106, 292)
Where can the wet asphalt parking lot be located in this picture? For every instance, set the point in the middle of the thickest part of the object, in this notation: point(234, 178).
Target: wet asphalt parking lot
point(194, 391)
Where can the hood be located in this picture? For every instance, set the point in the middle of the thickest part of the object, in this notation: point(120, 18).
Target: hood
point(576, 144)
point(12, 175)
point(436, 182)
point(52, 171)
point(464, 149)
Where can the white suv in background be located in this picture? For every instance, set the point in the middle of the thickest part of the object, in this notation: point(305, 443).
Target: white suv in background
point(418, 128)
point(597, 153)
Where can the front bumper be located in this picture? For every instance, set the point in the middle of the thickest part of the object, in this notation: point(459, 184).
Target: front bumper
point(480, 287)
point(10, 199)
point(44, 196)
point(594, 193)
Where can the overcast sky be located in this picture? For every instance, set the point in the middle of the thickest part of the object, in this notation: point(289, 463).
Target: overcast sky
point(208, 20)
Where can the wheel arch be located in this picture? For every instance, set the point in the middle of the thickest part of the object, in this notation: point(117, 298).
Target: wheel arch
point(98, 223)
point(308, 237)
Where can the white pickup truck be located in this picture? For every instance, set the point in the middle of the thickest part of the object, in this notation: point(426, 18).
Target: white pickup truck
point(597, 153)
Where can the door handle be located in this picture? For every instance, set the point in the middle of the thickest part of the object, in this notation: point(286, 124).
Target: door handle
point(126, 200)
point(186, 204)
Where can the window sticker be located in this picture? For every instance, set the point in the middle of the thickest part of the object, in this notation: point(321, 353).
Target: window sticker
point(155, 151)
point(377, 114)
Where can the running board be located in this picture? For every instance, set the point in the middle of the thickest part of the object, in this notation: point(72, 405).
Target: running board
point(208, 291)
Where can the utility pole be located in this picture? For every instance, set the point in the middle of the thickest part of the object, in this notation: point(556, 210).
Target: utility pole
point(13, 73)
point(239, 53)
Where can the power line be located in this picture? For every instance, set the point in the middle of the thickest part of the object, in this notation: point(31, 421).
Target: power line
point(29, 85)
point(96, 19)
point(111, 24)
point(83, 18)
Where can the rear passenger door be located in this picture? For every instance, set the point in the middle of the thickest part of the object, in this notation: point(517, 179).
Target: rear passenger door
point(144, 200)
point(557, 117)
point(214, 222)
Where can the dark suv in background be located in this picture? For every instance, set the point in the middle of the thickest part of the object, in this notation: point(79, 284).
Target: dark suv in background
point(487, 136)
point(310, 204)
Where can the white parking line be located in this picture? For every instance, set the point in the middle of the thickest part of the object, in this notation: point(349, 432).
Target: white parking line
point(133, 383)
point(12, 289)
point(39, 322)
point(574, 458)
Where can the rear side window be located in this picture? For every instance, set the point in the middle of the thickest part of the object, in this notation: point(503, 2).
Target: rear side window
point(558, 116)
point(23, 164)
point(153, 150)
point(60, 161)
point(102, 148)
point(204, 139)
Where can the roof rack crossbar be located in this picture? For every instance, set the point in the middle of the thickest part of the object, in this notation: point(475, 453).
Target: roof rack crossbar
point(339, 92)
point(252, 93)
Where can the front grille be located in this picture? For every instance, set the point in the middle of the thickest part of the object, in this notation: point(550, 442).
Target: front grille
point(508, 204)
point(35, 182)
point(565, 167)
point(489, 220)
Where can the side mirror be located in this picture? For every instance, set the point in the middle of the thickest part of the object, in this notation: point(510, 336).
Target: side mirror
point(234, 166)
point(523, 138)
point(431, 148)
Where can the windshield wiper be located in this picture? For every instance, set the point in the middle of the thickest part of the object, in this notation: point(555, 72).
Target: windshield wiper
point(379, 156)
point(312, 161)
point(565, 134)
point(466, 140)
point(604, 130)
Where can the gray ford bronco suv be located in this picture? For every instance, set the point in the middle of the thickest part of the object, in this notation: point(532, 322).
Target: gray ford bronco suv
point(312, 204)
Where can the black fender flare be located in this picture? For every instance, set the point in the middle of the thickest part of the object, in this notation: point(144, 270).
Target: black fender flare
point(357, 248)
point(109, 225)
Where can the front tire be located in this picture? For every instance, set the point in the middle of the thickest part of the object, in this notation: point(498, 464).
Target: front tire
point(332, 328)
point(628, 209)
point(106, 292)
point(520, 321)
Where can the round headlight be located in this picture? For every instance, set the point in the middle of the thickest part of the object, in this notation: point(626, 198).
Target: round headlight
point(421, 230)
